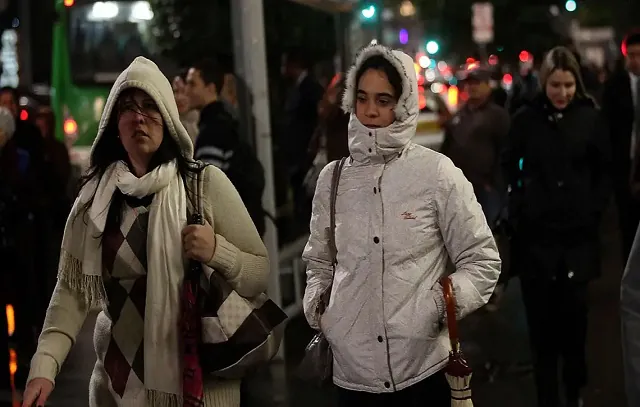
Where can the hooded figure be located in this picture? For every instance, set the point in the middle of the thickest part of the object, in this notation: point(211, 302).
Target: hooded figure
point(402, 211)
point(125, 248)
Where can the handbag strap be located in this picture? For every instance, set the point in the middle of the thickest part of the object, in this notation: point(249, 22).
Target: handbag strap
point(333, 250)
point(452, 323)
point(335, 181)
point(196, 217)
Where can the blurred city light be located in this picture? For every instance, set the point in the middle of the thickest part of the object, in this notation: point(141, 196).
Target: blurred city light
point(437, 87)
point(507, 79)
point(424, 61)
point(141, 11)
point(69, 3)
point(432, 47)
point(470, 60)
point(70, 126)
point(524, 56)
point(430, 75)
point(571, 5)
point(403, 36)
point(493, 60)
point(442, 65)
point(452, 95)
point(11, 319)
point(407, 9)
point(422, 99)
point(369, 12)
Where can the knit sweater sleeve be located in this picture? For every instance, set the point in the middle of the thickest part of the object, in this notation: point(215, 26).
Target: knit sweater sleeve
point(65, 316)
point(240, 255)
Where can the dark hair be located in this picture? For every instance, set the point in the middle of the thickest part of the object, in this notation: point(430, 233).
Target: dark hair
point(109, 150)
point(211, 71)
point(298, 57)
point(226, 63)
point(13, 91)
point(183, 74)
point(563, 59)
point(632, 38)
point(380, 63)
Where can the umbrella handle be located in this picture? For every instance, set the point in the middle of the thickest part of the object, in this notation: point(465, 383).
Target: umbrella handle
point(452, 323)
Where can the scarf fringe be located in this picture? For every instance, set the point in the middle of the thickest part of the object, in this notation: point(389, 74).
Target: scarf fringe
point(92, 287)
point(159, 399)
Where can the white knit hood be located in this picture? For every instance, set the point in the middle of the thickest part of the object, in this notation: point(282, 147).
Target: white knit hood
point(365, 142)
point(145, 75)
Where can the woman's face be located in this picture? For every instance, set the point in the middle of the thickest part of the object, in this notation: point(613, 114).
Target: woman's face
point(140, 126)
point(561, 88)
point(375, 100)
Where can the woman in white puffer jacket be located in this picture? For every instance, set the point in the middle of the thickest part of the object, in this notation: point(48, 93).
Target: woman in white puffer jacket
point(402, 211)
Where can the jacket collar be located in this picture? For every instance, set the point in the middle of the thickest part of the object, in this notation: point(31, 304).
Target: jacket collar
point(379, 145)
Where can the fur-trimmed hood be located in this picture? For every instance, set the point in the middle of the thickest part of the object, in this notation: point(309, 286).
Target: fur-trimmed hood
point(145, 75)
point(364, 142)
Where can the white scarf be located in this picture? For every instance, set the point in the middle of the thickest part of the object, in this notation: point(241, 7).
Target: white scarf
point(81, 265)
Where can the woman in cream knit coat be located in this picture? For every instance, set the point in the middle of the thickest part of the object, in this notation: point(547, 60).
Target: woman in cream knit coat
point(125, 248)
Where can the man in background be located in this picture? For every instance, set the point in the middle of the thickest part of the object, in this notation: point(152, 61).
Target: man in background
point(621, 107)
point(219, 142)
point(300, 122)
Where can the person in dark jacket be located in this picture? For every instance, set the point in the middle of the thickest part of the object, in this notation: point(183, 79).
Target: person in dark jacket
point(218, 140)
point(621, 105)
point(526, 86)
point(19, 238)
point(474, 139)
point(300, 121)
point(557, 164)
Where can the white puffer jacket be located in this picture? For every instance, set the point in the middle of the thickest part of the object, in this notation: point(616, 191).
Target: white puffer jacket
point(402, 212)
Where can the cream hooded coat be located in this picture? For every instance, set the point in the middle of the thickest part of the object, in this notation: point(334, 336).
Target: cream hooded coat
point(402, 212)
point(240, 256)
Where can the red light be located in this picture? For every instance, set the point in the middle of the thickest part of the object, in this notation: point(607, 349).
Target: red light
point(24, 115)
point(524, 56)
point(420, 80)
point(507, 79)
point(470, 60)
point(493, 60)
point(69, 3)
point(70, 127)
point(464, 96)
point(422, 100)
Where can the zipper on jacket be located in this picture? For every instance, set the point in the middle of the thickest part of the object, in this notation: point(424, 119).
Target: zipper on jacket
point(384, 320)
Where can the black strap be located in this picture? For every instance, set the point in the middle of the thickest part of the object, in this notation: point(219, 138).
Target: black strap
point(335, 182)
point(196, 217)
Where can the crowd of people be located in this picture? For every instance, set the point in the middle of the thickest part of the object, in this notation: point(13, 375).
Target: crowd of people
point(388, 220)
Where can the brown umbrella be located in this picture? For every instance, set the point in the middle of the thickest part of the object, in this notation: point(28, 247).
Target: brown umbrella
point(458, 372)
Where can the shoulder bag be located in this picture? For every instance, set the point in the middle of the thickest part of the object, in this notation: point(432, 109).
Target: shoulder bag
point(317, 364)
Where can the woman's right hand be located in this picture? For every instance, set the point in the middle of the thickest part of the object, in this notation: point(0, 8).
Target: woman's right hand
point(38, 391)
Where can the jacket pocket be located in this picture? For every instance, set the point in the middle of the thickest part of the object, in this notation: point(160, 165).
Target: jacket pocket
point(417, 319)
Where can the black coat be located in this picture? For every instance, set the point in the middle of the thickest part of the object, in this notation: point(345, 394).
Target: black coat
point(219, 144)
point(617, 105)
point(557, 164)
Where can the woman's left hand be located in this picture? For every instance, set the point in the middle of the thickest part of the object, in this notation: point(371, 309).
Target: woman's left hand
point(199, 242)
